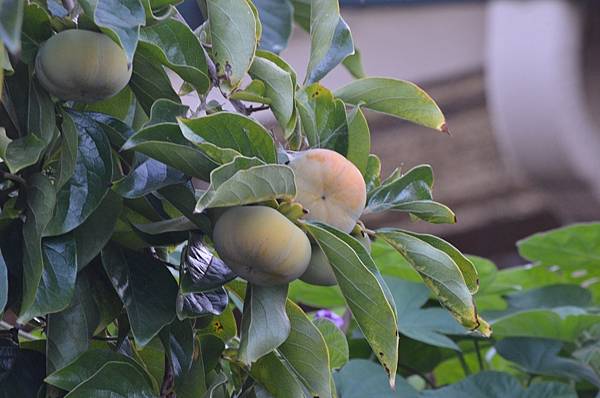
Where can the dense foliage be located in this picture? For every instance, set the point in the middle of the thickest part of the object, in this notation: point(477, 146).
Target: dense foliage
point(110, 284)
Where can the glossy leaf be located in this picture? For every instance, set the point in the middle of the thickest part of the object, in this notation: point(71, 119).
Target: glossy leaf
point(412, 186)
point(194, 305)
point(149, 81)
point(120, 19)
point(178, 340)
point(233, 29)
point(85, 190)
point(440, 273)
point(120, 378)
point(363, 378)
point(337, 345)
point(276, 19)
point(253, 185)
point(540, 356)
point(265, 323)
point(147, 177)
point(146, 288)
point(11, 20)
point(279, 88)
point(116, 130)
point(173, 44)
point(490, 384)
point(394, 97)
point(306, 352)
point(165, 143)
point(363, 292)
point(330, 39)
point(231, 130)
point(41, 199)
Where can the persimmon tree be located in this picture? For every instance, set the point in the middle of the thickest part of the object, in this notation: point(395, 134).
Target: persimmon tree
point(140, 198)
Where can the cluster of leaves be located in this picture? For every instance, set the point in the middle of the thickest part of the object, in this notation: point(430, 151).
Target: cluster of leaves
point(546, 340)
point(107, 270)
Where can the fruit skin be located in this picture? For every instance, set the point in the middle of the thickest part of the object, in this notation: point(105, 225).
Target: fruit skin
point(330, 187)
point(261, 245)
point(319, 271)
point(83, 66)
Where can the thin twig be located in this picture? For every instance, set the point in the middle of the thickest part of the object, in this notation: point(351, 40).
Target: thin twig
point(479, 357)
point(13, 177)
point(252, 109)
point(463, 363)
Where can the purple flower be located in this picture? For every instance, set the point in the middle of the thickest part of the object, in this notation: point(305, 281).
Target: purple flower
point(330, 316)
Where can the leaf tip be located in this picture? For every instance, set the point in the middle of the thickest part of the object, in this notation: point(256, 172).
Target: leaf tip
point(444, 128)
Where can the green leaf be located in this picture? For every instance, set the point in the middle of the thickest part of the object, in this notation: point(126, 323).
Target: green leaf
point(253, 185)
point(173, 44)
point(120, 19)
point(68, 153)
point(440, 273)
point(572, 247)
point(118, 379)
point(372, 174)
point(41, 198)
point(165, 143)
point(166, 111)
point(337, 345)
point(215, 390)
point(394, 97)
point(363, 378)
point(41, 119)
point(323, 118)
point(195, 305)
point(540, 356)
point(359, 139)
point(149, 81)
point(3, 284)
point(147, 177)
point(428, 325)
point(265, 324)
point(551, 296)
point(279, 88)
point(276, 377)
point(306, 352)
point(428, 210)
point(181, 196)
point(491, 384)
point(330, 39)
point(276, 19)
point(231, 130)
point(253, 92)
point(22, 152)
point(37, 29)
point(145, 286)
point(363, 293)
point(223, 326)
point(316, 296)
point(178, 340)
point(11, 20)
point(233, 28)
point(21, 372)
point(120, 106)
point(412, 186)
point(85, 190)
point(86, 365)
point(354, 65)
point(116, 130)
point(564, 324)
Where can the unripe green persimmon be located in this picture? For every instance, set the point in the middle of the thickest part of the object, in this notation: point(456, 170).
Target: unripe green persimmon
point(83, 66)
point(261, 245)
point(330, 187)
point(319, 270)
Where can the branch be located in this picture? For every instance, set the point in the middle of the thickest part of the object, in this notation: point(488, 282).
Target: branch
point(13, 177)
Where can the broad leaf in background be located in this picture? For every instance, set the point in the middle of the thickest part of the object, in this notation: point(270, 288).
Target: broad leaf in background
point(323, 118)
point(306, 352)
point(551, 296)
point(41, 199)
point(88, 363)
point(11, 20)
point(90, 182)
point(394, 97)
point(147, 177)
point(428, 325)
point(279, 88)
point(253, 185)
point(316, 296)
point(231, 130)
point(21, 372)
point(181, 196)
point(363, 293)
point(337, 345)
point(165, 143)
point(276, 19)
point(121, 106)
point(330, 39)
point(540, 357)
point(362, 378)
point(120, 19)
point(122, 379)
point(233, 28)
point(172, 43)
point(490, 384)
point(146, 287)
point(441, 274)
point(265, 324)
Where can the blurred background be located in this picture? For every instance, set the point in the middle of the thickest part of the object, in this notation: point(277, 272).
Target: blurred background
point(519, 83)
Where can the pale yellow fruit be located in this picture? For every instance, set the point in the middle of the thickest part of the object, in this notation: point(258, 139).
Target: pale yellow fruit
point(330, 187)
point(319, 270)
point(81, 65)
point(261, 245)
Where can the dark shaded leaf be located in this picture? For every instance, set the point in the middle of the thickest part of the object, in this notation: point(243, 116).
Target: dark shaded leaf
point(146, 287)
point(276, 19)
point(3, 284)
point(181, 196)
point(178, 340)
point(24, 374)
point(148, 176)
point(150, 82)
point(166, 111)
